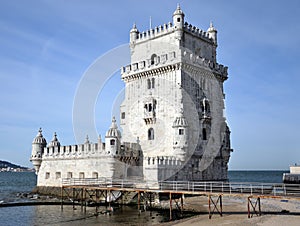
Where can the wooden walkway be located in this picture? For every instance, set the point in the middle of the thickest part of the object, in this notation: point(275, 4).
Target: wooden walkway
point(107, 191)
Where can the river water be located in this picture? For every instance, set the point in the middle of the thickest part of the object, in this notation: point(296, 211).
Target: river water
point(13, 185)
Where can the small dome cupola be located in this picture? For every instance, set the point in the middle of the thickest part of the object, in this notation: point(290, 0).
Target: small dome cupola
point(180, 120)
point(178, 11)
point(39, 139)
point(113, 130)
point(134, 33)
point(178, 18)
point(54, 142)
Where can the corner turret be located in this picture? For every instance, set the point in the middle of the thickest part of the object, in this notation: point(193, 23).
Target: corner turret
point(178, 22)
point(178, 18)
point(180, 142)
point(212, 33)
point(112, 139)
point(133, 33)
point(38, 145)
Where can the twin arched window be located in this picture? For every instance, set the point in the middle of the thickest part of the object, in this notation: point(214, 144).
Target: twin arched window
point(150, 83)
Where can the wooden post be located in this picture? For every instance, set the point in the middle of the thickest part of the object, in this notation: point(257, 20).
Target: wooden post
point(248, 207)
point(209, 214)
point(61, 196)
point(105, 200)
point(81, 198)
point(109, 197)
point(97, 200)
point(181, 203)
point(259, 208)
point(221, 206)
point(84, 197)
point(139, 200)
point(73, 196)
point(170, 206)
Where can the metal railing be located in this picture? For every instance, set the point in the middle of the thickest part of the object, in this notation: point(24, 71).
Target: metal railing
point(273, 189)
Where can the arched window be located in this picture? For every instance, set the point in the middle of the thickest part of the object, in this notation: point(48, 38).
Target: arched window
point(112, 142)
point(148, 83)
point(205, 106)
point(204, 135)
point(153, 59)
point(151, 134)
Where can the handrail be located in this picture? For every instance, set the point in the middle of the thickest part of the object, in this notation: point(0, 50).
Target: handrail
point(254, 188)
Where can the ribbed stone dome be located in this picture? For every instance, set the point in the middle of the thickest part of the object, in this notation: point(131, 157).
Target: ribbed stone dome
point(54, 142)
point(39, 139)
point(178, 11)
point(134, 29)
point(180, 121)
point(113, 130)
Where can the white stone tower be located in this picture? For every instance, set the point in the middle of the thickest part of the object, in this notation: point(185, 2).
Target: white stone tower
point(174, 102)
point(38, 145)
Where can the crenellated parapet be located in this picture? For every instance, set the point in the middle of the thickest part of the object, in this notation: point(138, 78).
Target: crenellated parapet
point(74, 151)
point(168, 28)
point(162, 161)
point(195, 60)
point(144, 65)
point(152, 33)
point(197, 32)
point(166, 63)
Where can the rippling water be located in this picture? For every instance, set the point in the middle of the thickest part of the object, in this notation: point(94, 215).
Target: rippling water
point(14, 184)
point(52, 215)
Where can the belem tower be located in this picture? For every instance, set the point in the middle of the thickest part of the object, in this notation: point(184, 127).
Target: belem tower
point(172, 117)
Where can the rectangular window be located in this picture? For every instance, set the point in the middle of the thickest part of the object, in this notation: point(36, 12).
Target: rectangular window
point(81, 175)
point(123, 115)
point(47, 175)
point(57, 175)
point(95, 175)
point(69, 175)
point(181, 131)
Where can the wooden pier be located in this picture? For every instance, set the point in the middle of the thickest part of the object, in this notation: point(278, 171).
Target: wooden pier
point(107, 192)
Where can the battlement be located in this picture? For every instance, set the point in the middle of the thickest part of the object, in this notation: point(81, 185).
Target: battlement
point(158, 61)
point(168, 161)
point(74, 151)
point(197, 32)
point(169, 28)
point(165, 59)
point(191, 58)
point(154, 32)
point(90, 149)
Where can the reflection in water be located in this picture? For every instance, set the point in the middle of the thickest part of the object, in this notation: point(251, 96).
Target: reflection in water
point(52, 215)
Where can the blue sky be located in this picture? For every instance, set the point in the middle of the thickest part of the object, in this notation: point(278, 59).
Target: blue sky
point(47, 45)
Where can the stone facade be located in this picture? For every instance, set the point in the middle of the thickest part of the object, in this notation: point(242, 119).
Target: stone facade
point(172, 115)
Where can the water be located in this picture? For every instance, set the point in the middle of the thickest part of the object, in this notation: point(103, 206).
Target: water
point(260, 176)
point(12, 184)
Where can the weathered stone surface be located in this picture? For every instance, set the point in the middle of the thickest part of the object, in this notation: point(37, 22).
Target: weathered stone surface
point(173, 126)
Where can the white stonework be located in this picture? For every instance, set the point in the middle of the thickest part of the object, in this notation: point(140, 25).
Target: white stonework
point(172, 115)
